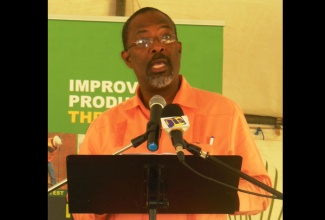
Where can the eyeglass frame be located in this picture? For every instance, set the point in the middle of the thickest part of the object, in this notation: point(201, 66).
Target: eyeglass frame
point(150, 41)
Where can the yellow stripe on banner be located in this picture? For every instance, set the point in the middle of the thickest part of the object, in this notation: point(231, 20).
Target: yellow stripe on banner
point(67, 213)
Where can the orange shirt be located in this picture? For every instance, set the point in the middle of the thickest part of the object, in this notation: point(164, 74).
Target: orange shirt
point(209, 114)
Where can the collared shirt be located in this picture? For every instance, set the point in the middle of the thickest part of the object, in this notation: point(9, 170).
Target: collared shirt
point(209, 114)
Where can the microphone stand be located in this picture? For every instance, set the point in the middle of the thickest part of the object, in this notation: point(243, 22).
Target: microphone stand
point(195, 150)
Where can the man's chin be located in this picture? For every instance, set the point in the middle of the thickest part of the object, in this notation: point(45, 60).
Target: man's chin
point(160, 81)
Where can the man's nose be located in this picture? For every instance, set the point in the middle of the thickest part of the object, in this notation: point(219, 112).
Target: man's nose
point(157, 46)
point(158, 49)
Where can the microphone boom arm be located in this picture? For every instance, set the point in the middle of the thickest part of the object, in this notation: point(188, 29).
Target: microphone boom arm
point(135, 142)
point(195, 150)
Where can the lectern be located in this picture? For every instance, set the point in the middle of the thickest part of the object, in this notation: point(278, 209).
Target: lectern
point(142, 183)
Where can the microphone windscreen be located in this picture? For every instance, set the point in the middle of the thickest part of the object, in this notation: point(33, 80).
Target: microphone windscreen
point(171, 110)
point(157, 99)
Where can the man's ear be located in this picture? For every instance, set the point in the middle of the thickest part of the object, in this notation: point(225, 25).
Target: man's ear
point(126, 58)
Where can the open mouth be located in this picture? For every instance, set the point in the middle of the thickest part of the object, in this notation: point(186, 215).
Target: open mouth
point(159, 65)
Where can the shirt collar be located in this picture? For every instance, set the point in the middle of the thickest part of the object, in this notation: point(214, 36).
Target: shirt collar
point(185, 95)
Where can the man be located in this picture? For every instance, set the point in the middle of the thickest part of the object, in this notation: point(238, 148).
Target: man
point(52, 147)
point(152, 50)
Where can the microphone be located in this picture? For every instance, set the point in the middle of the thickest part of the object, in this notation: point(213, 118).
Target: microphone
point(175, 124)
point(156, 104)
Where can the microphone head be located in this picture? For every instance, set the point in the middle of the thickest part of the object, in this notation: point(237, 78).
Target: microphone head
point(173, 118)
point(172, 110)
point(157, 99)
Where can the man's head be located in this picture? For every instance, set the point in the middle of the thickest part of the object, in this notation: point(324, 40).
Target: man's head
point(152, 50)
point(125, 31)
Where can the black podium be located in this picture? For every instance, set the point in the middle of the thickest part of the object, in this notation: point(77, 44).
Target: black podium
point(135, 183)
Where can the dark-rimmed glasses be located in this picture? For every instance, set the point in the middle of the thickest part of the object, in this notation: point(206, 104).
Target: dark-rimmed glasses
point(145, 42)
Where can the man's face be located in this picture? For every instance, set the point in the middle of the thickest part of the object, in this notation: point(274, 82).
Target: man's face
point(157, 65)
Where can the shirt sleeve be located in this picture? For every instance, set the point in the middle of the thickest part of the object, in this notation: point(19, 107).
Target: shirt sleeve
point(252, 165)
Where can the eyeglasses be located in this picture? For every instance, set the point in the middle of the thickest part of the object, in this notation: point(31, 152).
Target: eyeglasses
point(145, 42)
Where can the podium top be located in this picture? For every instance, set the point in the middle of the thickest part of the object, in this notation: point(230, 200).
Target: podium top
point(134, 183)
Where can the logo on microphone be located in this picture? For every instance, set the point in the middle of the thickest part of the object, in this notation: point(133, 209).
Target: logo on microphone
point(176, 121)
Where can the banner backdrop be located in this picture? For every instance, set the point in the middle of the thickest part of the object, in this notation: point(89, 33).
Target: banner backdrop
point(86, 76)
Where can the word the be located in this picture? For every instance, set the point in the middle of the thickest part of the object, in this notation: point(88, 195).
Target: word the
point(83, 117)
